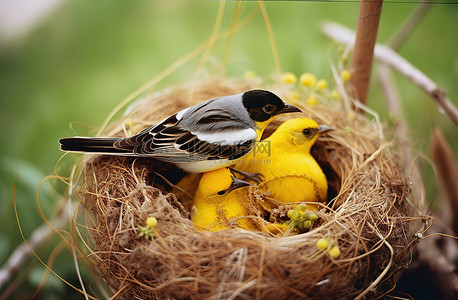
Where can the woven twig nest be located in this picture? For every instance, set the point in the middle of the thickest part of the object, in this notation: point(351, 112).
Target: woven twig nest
point(371, 216)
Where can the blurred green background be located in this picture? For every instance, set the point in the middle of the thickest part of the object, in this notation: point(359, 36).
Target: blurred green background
point(85, 57)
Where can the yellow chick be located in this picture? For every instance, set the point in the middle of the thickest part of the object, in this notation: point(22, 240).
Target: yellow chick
point(290, 172)
point(217, 201)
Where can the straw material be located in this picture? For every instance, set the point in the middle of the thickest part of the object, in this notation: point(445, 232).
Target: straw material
point(371, 216)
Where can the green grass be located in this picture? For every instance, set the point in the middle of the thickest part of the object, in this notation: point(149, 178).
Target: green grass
point(89, 55)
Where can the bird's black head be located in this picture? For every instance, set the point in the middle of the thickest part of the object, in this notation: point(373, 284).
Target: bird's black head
point(263, 105)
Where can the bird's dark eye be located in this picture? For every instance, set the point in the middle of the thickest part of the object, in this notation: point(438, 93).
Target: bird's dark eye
point(268, 108)
point(306, 131)
point(221, 192)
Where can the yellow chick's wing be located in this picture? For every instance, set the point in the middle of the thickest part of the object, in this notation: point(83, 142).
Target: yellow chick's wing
point(218, 201)
point(290, 172)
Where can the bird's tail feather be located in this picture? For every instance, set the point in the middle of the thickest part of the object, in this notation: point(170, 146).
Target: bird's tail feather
point(92, 145)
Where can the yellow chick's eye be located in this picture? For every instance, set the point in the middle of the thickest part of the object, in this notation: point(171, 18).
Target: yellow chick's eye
point(222, 192)
point(307, 131)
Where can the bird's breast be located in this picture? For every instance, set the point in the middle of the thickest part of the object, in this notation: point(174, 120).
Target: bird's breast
point(295, 178)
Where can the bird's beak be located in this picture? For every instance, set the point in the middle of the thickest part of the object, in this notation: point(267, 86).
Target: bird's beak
point(236, 184)
point(289, 108)
point(324, 128)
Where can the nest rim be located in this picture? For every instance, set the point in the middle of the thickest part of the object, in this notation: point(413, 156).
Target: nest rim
point(259, 247)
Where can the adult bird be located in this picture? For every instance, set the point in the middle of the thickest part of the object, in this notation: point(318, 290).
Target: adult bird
point(218, 204)
point(290, 172)
point(201, 138)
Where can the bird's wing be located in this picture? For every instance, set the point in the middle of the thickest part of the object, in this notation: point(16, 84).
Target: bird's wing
point(169, 141)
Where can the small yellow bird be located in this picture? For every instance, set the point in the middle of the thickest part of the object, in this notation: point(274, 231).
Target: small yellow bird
point(218, 202)
point(290, 172)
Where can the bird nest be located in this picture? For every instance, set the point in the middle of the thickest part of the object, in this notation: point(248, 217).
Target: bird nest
point(372, 215)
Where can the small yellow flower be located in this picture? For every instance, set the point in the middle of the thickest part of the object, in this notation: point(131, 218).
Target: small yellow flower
point(308, 79)
point(351, 116)
point(289, 78)
point(305, 216)
point(322, 84)
point(249, 74)
point(345, 75)
point(322, 244)
point(334, 252)
point(294, 96)
point(151, 222)
point(129, 123)
point(348, 129)
point(313, 217)
point(290, 213)
point(293, 215)
point(148, 230)
point(301, 207)
point(335, 95)
point(312, 100)
point(307, 224)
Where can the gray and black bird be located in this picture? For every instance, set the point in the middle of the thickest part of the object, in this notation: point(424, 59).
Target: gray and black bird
point(204, 137)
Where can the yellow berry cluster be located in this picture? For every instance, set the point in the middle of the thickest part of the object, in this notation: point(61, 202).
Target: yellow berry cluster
point(324, 244)
point(300, 218)
point(148, 230)
point(311, 86)
point(307, 87)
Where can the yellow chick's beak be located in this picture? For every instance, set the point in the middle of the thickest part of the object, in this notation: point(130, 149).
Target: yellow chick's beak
point(289, 108)
point(324, 128)
point(236, 184)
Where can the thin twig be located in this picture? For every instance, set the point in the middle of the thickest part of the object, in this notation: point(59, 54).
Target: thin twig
point(235, 18)
point(70, 212)
point(270, 32)
point(390, 58)
point(409, 25)
point(391, 95)
point(382, 275)
point(213, 38)
point(435, 261)
point(394, 107)
point(390, 92)
point(400, 129)
point(23, 252)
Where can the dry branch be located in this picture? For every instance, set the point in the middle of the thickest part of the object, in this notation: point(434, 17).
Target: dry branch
point(366, 35)
point(390, 58)
point(390, 92)
point(447, 175)
point(23, 251)
point(409, 25)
